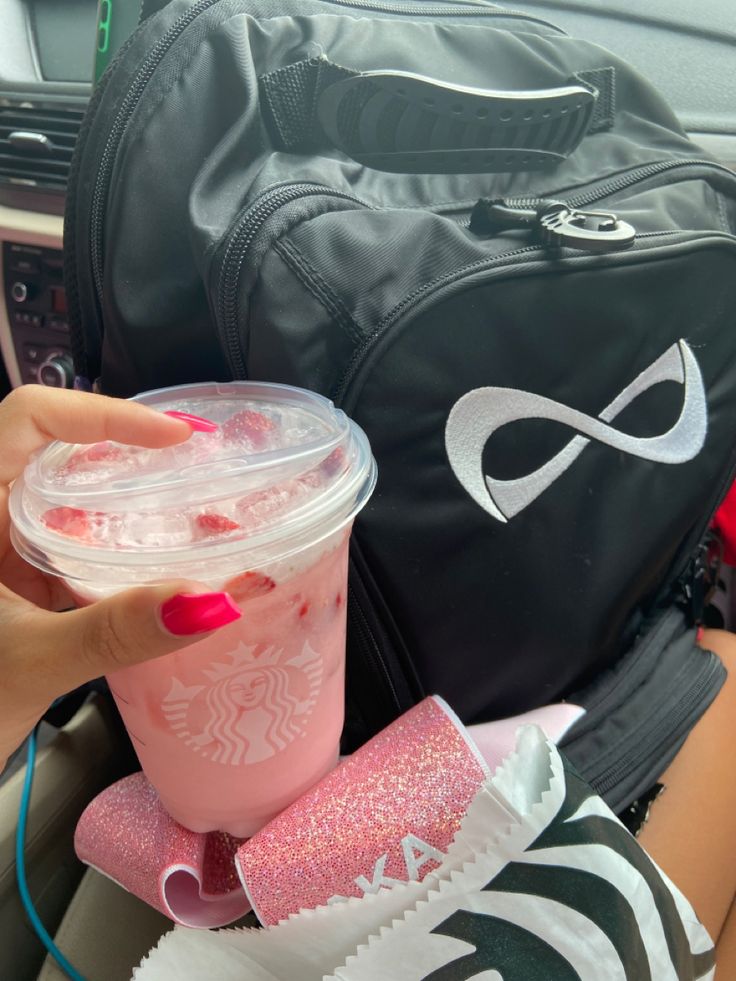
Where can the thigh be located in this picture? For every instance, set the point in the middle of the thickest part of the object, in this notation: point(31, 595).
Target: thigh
point(726, 950)
point(690, 829)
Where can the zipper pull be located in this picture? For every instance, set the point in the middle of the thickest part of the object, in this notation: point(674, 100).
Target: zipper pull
point(699, 581)
point(553, 223)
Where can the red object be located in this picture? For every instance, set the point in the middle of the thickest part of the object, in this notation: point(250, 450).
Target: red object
point(187, 614)
point(333, 463)
point(106, 452)
point(725, 523)
point(100, 452)
point(197, 423)
point(214, 524)
point(248, 427)
point(248, 585)
point(73, 522)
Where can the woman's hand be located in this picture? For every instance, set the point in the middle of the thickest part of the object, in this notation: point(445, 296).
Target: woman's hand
point(44, 654)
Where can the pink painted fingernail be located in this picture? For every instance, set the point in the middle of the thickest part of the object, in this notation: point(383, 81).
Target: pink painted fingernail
point(191, 613)
point(198, 424)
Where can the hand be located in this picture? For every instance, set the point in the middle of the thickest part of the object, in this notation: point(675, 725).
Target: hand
point(44, 653)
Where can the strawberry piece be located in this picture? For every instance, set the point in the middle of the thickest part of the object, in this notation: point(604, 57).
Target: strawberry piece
point(73, 522)
point(248, 585)
point(101, 452)
point(249, 427)
point(96, 453)
point(310, 479)
point(210, 523)
point(333, 463)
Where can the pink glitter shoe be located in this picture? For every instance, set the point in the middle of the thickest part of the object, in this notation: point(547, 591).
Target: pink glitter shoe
point(127, 835)
point(387, 813)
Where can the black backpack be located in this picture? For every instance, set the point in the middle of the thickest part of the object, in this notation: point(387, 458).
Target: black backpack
point(495, 248)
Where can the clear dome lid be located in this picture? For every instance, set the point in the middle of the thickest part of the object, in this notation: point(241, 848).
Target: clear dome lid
point(284, 468)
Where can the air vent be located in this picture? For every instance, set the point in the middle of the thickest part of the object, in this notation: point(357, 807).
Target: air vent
point(36, 144)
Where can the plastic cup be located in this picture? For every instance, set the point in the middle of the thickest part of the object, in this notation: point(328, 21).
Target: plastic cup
point(233, 728)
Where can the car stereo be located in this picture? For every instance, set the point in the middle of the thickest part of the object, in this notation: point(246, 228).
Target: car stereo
point(36, 305)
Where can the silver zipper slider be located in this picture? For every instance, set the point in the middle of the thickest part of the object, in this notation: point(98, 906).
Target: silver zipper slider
point(554, 223)
point(593, 231)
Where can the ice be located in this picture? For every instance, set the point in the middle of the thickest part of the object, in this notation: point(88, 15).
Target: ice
point(260, 506)
point(152, 530)
point(247, 428)
point(134, 480)
point(257, 428)
point(97, 464)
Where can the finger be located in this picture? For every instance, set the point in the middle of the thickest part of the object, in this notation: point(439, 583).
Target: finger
point(33, 415)
point(134, 626)
point(45, 655)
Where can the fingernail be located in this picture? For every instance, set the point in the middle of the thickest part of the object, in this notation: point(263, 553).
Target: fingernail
point(189, 613)
point(198, 424)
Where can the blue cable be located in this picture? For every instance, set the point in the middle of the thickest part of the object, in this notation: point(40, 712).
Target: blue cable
point(20, 865)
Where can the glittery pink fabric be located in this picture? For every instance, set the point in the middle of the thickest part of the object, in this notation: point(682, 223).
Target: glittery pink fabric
point(386, 813)
point(127, 835)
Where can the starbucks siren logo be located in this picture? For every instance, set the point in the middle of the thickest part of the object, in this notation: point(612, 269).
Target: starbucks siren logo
point(254, 707)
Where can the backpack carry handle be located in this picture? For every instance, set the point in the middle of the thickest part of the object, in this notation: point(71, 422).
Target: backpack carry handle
point(408, 123)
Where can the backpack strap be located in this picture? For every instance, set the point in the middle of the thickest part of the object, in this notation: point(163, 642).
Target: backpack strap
point(289, 98)
point(407, 123)
point(602, 82)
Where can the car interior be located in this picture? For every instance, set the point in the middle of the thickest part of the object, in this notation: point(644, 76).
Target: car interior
point(51, 52)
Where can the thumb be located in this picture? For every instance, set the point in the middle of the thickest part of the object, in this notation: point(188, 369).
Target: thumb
point(133, 626)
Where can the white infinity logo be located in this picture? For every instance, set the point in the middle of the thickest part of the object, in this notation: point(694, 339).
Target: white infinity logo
point(478, 414)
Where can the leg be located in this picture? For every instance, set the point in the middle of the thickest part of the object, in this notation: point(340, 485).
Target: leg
point(690, 829)
point(726, 948)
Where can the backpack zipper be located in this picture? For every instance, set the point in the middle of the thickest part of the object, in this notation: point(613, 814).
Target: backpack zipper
point(156, 55)
point(657, 638)
point(503, 259)
point(370, 649)
point(250, 220)
point(239, 241)
point(688, 570)
point(104, 173)
point(607, 186)
point(465, 8)
point(555, 223)
point(105, 166)
point(79, 351)
point(646, 740)
point(596, 193)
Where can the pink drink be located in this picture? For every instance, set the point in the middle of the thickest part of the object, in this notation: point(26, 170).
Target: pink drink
point(253, 714)
point(232, 729)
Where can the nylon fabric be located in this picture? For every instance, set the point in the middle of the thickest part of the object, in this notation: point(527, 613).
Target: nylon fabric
point(204, 244)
